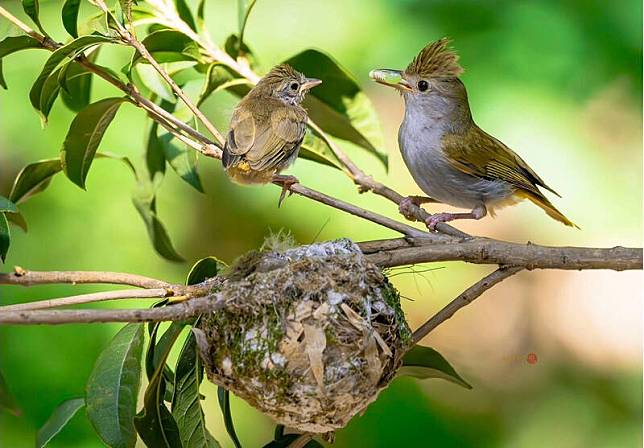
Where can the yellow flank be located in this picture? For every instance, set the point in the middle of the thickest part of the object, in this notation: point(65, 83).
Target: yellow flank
point(243, 174)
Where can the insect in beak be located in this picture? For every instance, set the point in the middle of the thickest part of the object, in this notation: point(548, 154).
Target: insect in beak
point(391, 78)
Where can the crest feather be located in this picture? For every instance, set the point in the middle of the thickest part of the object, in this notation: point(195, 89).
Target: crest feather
point(436, 60)
point(281, 72)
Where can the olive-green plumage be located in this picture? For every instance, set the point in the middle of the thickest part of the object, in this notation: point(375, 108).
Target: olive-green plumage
point(453, 160)
point(267, 127)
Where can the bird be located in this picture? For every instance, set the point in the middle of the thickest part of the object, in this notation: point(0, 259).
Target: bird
point(452, 160)
point(267, 128)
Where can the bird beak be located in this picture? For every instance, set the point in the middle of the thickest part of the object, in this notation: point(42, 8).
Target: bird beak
point(391, 78)
point(309, 83)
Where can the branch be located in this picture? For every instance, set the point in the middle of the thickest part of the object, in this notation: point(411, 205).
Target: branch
point(176, 312)
point(23, 277)
point(88, 298)
point(465, 298)
point(480, 250)
point(357, 211)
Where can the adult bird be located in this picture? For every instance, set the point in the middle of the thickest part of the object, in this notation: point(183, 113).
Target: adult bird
point(451, 159)
point(267, 128)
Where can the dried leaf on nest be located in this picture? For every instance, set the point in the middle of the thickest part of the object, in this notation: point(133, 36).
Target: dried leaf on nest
point(315, 343)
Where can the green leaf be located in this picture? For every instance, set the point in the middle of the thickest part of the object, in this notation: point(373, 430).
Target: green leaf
point(76, 85)
point(49, 93)
point(154, 156)
point(201, 14)
point(7, 401)
point(169, 46)
point(235, 48)
point(18, 220)
point(185, 14)
point(182, 160)
point(186, 402)
point(33, 179)
point(338, 105)
point(204, 269)
point(113, 388)
point(36, 176)
point(3, 82)
point(244, 8)
point(32, 9)
point(69, 15)
point(145, 202)
point(11, 45)
point(154, 82)
point(7, 206)
point(425, 362)
point(70, 50)
point(5, 237)
point(224, 404)
point(315, 149)
point(17, 43)
point(57, 421)
point(157, 350)
point(220, 77)
point(155, 424)
point(84, 136)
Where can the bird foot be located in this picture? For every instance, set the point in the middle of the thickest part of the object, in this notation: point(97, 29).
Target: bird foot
point(437, 218)
point(286, 182)
point(477, 213)
point(406, 208)
point(408, 205)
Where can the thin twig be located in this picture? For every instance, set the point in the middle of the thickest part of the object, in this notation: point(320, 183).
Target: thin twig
point(465, 298)
point(88, 298)
point(356, 211)
point(24, 277)
point(177, 312)
point(489, 251)
point(130, 38)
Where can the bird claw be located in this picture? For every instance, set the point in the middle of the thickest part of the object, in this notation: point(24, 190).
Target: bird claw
point(437, 218)
point(406, 207)
point(287, 182)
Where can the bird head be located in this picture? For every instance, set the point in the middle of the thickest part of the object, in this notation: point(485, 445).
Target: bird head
point(286, 84)
point(430, 79)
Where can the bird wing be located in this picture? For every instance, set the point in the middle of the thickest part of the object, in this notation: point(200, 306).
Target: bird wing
point(486, 157)
point(277, 138)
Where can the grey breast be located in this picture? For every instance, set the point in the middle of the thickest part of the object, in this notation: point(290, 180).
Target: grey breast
point(420, 145)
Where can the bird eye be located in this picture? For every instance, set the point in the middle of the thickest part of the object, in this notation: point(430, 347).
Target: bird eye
point(295, 86)
point(423, 85)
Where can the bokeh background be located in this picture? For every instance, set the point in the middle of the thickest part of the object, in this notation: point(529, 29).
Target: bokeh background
point(558, 81)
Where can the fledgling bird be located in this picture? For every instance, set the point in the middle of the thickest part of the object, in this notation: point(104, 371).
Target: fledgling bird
point(267, 128)
point(451, 159)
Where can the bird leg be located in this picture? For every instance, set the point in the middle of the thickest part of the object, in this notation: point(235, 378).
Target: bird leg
point(477, 212)
point(407, 205)
point(287, 182)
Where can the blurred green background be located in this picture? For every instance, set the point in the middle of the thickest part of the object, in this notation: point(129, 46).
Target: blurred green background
point(558, 81)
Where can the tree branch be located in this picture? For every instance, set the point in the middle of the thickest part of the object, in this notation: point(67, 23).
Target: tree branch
point(176, 312)
point(88, 298)
point(480, 250)
point(465, 298)
point(23, 277)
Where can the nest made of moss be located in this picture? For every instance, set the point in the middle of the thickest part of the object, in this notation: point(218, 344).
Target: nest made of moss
point(308, 335)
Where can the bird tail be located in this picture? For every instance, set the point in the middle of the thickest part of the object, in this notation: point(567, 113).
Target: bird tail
point(547, 207)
